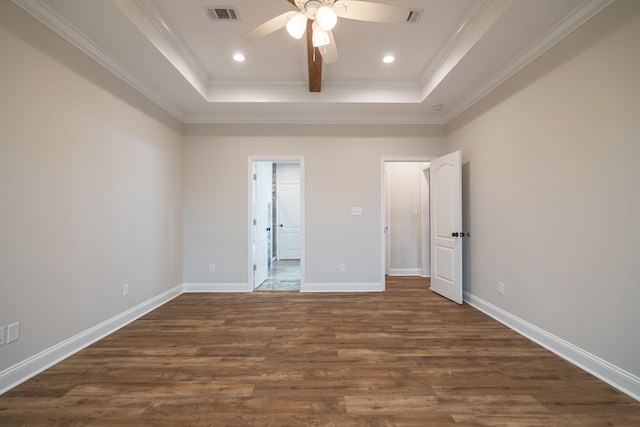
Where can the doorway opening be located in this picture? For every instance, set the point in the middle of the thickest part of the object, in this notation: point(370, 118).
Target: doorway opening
point(276, 224)
point(440, 222)
point(405, 212)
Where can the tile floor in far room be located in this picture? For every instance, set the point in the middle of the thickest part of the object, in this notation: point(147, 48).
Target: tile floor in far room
point(284, 275)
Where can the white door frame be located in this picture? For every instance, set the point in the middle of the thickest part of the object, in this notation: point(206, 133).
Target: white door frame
point(425, 218)
point(250, 228)
point(383, 204)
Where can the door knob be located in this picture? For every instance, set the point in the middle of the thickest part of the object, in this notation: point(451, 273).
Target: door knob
point(454, 234)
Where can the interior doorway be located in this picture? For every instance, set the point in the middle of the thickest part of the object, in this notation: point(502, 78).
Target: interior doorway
point(440, 221)
point(276, 224)
point(406, 237)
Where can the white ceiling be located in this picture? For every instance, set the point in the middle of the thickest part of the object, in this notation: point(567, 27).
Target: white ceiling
point(173, 53)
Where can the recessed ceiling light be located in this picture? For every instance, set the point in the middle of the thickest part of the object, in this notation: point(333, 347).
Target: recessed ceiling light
point(238, 57)
point(388, 59)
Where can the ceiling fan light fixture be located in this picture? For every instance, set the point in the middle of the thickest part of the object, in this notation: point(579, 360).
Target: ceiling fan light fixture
point(326, 18)
point(320, 37)
point(297, 26)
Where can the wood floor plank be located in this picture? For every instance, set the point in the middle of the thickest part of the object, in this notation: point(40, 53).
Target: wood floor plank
point(404, 357)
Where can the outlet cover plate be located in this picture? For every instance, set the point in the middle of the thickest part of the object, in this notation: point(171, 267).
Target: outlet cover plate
point(13, 332)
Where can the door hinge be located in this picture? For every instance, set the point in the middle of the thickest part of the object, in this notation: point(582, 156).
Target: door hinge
point(255, 177)
point(255, 222)
point(255, 267)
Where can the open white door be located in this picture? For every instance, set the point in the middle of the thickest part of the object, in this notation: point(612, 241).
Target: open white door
point(262, 197)
point(446, 226)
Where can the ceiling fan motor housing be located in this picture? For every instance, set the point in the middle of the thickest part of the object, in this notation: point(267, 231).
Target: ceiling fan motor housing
point(310, 7)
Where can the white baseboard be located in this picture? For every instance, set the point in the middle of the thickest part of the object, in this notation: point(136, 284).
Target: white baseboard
point(622, 380)
point(32, 366)
point(342, 287)
point(405, 272)
point(607, 372)
point(215, 287)
point(305, 287)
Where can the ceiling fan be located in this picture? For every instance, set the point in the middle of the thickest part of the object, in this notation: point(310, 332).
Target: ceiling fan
point(317, 18)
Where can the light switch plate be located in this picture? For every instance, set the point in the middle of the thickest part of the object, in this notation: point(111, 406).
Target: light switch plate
point(1, 335)
point(356, 211)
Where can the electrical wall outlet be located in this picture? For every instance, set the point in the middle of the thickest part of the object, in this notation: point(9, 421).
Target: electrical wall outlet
point(501, 288)
point(1, 335)
point(125, 289)
point(13, 333)
point(342, 268)
point(212, 268)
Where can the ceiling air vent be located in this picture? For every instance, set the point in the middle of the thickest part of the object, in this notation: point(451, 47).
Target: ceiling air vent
point(414, 16)
point(222, 13)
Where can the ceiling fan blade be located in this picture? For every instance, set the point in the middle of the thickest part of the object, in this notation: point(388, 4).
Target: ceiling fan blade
point(330, 52)
point(369, 11)
point(314, 62)
point(270, 26)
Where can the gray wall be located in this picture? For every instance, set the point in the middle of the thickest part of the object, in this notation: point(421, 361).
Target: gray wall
point(342, 169)
point(90, 191)
point(552, 192)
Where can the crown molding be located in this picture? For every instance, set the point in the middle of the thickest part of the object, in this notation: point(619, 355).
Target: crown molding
point(446, 49)
point(148, 19)
point(409, 92)
point(317, 120)
point(173, 37)
point(483, 21)
point(575, 19)
point(333, 92)
point(43, 13)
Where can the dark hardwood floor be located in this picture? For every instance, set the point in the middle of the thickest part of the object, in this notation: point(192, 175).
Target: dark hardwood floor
point(405, 357)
